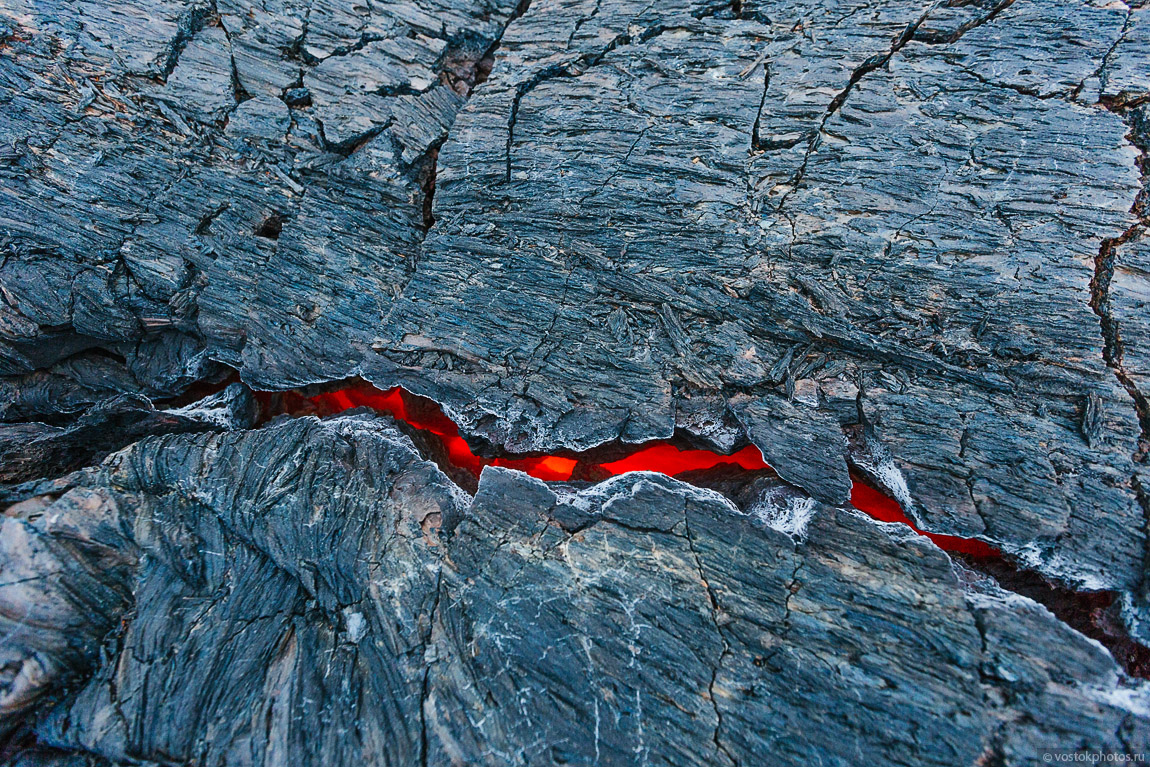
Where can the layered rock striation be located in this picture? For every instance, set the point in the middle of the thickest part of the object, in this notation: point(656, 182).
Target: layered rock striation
point(900, 243)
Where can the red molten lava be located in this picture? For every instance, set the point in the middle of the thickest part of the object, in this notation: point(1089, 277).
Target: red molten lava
point(884, 509)
point(668, 459)
point(424, 414)
point(661, 457)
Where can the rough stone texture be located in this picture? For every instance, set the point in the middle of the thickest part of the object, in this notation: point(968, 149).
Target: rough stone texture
point(924, 229)
point(920, 225)
point(1125, 74)
point(336, 600)
point(36, 450)
point(65, 575)
point(651, 216)
point(167, 222)
point(1130, 299)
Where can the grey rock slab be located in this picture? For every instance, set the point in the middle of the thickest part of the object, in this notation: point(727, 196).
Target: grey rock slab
point(144, 36)
point(262, 117)
point(32, 450)
point(316, 593)
point(304, 618)
point(1058, 45)
point(1130, 307)
point(870, 215)
point(1127, 74)
point(201, 84)
point(1123, 77)
point(67, 579)
point(351, 92)
point(1026, 463)
point(806, 446)
point(265, 38)
point(812, 52)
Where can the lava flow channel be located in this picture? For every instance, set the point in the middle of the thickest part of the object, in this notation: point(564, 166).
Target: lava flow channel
point(661, 457)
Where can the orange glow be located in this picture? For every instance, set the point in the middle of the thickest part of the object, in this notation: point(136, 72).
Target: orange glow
point(665, 458)
point(424, 415)
point(668, 459)
point(873, 503)
point(551, 468)
point(390, 401)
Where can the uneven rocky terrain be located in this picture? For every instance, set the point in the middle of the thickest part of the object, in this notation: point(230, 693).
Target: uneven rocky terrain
point(893, 247)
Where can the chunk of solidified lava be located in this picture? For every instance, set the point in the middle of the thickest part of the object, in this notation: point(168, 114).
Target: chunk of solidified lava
point(902, 242)
point(315, 593)
point(782, 220)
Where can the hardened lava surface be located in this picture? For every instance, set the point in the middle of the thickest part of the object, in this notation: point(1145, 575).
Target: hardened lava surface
point(894, 247)
point(316, 593)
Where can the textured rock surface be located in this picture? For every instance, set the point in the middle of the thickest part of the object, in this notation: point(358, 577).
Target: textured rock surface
point(921, 234)
point(765, 225)
point(903, 239)
point(1130, 297)
point(338, 601)
point(174, 194)
point(35, 450)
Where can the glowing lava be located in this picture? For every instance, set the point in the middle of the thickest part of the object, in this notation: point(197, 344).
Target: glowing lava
point(662, 457)
point(425, 415)
point(866, 498)
point(668, 459)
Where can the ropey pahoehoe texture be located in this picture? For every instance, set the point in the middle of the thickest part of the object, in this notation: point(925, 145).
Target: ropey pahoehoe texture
point(315, 592)
point(899, 240)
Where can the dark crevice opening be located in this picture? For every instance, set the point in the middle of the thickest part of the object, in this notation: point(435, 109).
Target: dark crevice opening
point(1095, 614)
point(427, 183)
point(739, 476)
point(1092, 613)
point(271, 227)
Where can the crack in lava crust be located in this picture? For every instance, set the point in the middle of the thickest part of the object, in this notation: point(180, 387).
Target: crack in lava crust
point(663, 457)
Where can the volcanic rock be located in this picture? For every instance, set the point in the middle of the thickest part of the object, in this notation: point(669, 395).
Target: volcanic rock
point(798, 217)
point(901, 243)
point(316, 593)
